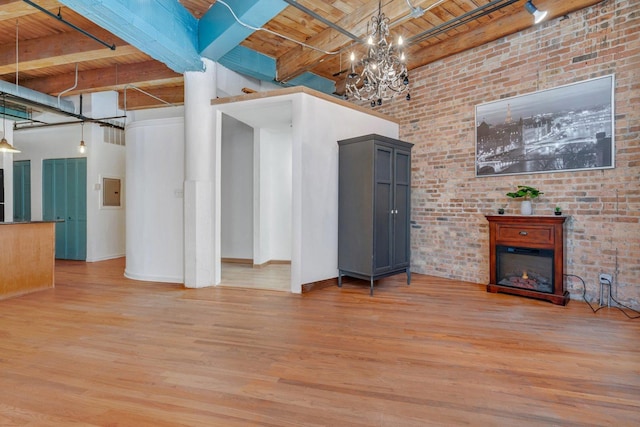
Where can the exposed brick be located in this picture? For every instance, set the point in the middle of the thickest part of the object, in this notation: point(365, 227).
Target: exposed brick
point(450, 233)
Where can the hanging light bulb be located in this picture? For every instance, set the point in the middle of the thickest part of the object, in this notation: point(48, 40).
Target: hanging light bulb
point(83, 147)
point(5, 147)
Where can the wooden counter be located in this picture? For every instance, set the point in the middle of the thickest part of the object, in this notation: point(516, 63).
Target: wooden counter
point(27, 257)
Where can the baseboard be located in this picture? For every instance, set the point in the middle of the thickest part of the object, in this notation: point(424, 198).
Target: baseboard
point(237, 260)
point(272, 262)
point(105, 258)
point(150, 278)
point(321, 284)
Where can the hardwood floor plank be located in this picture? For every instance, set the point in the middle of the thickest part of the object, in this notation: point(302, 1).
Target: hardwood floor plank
point(100, 349)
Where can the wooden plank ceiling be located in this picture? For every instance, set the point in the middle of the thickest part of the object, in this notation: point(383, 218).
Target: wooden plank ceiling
point(42, 53)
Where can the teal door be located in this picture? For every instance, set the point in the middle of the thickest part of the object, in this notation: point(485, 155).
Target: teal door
point(22, 190)
point(64, 199)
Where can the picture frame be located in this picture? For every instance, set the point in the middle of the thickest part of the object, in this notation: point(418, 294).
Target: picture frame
point(566, 128)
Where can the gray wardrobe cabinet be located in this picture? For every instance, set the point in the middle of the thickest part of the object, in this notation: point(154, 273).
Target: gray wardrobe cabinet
point(374, 208)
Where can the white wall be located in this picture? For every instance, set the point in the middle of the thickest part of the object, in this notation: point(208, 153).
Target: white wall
point(318, 126)
point(155, 189)
point(104, 160)
point(275, 194)
point(272, 195)
point(237, 190)
point(105, 226)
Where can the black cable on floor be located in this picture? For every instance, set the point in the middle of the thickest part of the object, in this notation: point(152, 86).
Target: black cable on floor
point(623, 306)
point(619, 306)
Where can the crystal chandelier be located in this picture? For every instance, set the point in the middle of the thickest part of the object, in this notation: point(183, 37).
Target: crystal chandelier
point(384, 69)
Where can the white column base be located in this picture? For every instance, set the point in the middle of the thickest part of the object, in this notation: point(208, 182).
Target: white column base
point(199, 267)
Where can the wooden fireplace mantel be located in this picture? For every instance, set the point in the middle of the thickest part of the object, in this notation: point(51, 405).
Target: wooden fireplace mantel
point(529, 231)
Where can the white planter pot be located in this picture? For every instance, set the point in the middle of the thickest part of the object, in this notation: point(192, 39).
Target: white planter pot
point(525, 207)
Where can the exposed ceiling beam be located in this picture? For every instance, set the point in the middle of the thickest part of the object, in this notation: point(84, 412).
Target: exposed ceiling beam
point(254, 64)
point(60, 49)
point(163, 29)
point(219, 32)
point(142, 74)
point(136, 100)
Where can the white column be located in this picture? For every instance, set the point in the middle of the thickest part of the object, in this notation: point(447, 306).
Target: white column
point(200, 159)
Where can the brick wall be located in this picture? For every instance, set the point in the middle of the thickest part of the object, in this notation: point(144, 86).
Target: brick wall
point(450, 233)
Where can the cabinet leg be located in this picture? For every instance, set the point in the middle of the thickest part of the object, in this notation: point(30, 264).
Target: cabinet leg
point(371, 292)
point(339, 279)
point(408, 277)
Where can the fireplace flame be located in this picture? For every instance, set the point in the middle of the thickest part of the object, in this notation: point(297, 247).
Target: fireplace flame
point(524, 275)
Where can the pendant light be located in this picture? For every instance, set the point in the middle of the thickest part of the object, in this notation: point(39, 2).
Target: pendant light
point(5, 147)
point(83, 147)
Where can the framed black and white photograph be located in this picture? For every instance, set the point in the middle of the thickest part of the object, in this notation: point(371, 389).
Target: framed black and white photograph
point(566, 128)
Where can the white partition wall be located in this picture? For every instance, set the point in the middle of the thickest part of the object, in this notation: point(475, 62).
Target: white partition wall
point(155, 179)
point(314, 124)
point(294, 184)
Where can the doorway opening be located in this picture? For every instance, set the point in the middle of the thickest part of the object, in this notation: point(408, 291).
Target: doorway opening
point(256, 206)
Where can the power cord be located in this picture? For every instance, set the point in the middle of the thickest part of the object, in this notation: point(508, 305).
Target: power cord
point(619, 305)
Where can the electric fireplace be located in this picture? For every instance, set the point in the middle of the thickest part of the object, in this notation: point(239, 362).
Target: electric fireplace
point(527, 256)
point(525, 268)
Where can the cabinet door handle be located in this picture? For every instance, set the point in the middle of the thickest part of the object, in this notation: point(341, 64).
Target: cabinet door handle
point(523, 233)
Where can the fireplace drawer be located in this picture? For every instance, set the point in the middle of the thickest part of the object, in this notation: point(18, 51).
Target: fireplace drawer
point(524, 234)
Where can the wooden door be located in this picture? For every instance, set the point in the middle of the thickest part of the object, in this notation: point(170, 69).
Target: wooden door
point(22, 191)
point(64, 199)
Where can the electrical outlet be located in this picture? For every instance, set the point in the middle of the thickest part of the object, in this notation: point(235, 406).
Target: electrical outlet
point(606, 279)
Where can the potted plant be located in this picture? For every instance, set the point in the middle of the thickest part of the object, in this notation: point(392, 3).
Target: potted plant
point(527, 194)
point(557, 210)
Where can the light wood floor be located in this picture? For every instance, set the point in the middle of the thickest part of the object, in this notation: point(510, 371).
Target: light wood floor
point(276, 277)
point(103, 350)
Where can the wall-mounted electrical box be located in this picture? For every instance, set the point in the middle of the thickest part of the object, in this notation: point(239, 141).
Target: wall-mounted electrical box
point(111, 192)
